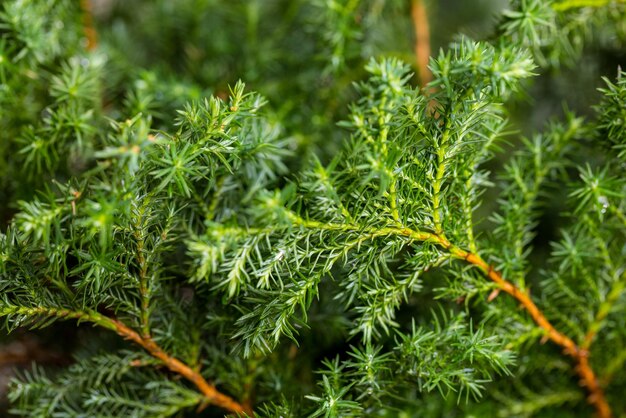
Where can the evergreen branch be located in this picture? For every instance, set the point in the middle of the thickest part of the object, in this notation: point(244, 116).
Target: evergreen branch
point(9, 310)
point(206, 209)
point(534, 403)
point(576, 4)
point(615, 365)
point(416, 235)
point(173, 364)
point(383, 125)
point(579, 354)
point(605, 309)
point(219, 187)
point(144, 291)
point(437, 183)
point(393, 202)
point(468, 211)
point(527, 174)
point(619, 214)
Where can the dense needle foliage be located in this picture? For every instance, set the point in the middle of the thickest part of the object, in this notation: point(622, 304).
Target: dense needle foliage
point(346, 243)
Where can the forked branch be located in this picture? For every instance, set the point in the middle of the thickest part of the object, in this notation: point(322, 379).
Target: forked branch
point(587, 376)
point(580, 354)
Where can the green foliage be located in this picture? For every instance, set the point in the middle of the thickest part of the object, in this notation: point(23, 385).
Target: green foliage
point(612, 119)
point(83, 389)
point(557, 30)
point(381, 277)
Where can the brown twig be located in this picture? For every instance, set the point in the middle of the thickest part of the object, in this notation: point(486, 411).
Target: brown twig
point(213, 396)
point(579, 354)
point(587, 376)
point(421, 27)
point(90, 31)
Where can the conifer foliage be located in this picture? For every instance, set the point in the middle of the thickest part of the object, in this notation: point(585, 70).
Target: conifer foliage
point(401, 271)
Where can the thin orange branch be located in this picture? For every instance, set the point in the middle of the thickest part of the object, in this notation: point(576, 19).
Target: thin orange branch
point(419, 16)
point(90, 31)
point(581, 356)
point(213, 396)
point(211, 393)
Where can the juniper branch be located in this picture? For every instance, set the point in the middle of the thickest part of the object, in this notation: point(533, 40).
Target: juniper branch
point(580, 354)
point(210, 392)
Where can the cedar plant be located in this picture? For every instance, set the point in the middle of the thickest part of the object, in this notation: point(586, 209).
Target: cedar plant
point(394, 269)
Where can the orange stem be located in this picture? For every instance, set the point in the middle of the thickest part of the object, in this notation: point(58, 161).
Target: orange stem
point(580, 355)
point(214, 396)
point(419, 16)
point(587, 376)
point(90, 31)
